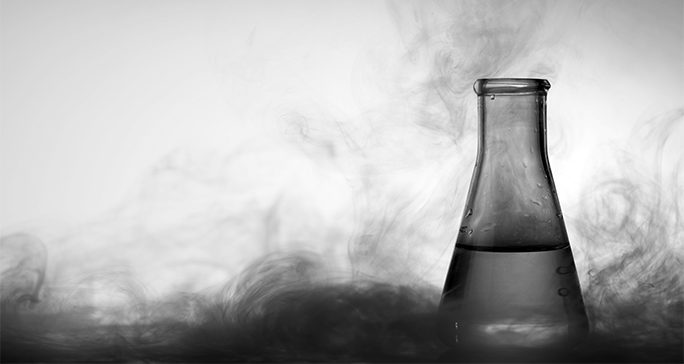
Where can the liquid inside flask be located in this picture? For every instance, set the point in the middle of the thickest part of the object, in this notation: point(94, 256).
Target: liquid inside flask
point(512, 281)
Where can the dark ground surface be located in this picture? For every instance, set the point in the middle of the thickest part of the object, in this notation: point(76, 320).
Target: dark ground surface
point(205, 344)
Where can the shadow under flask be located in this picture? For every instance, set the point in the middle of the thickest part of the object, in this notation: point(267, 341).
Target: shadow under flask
point(512, 281)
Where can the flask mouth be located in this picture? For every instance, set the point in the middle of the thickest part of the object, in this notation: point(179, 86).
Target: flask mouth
point(511, 86)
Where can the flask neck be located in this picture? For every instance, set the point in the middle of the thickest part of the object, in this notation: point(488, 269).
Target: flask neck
point(512, 114)
point(512, 128)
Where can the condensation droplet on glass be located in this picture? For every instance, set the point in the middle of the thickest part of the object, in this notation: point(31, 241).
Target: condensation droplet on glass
point(463, 229)
point(492, 97)
point(469, 212)
point(564, 269)
point(536, 202)
point(524, 164)
point(470, 232)
point(539, 185)
point(563, 291)
point(546, 197)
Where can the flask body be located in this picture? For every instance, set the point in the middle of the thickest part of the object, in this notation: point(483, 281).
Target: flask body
point(512, 281)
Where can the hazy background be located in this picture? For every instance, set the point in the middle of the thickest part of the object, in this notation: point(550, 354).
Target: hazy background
point(284, 180)
point(208, 133)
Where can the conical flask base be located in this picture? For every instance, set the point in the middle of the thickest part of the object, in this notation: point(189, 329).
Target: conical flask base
point(513, 299)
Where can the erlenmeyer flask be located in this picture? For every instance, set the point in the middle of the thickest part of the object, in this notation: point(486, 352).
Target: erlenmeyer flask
point(512, 281)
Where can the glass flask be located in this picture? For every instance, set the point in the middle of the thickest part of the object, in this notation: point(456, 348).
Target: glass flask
point(512, 281)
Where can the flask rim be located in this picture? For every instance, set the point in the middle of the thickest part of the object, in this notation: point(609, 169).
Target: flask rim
point(511, 86)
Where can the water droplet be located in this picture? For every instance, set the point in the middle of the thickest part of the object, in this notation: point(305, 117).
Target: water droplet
point(563, 292)
point(456, 325)
point(564, 269)
point(591, 272)
point(470, 232)
point(463, 229)
point(536, 202)
point(559, 215)
point(539, 185)
point(469, 212)
point(546, 197)
point(524, 164)
point(492, 97)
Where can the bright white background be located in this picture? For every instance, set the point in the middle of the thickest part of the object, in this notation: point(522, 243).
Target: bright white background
point(93, 93)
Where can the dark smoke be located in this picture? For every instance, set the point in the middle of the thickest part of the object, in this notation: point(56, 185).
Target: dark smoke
point(289, 308)
point(281, 308)
point(633, 236)
point(23, 264)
